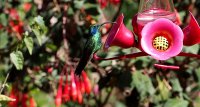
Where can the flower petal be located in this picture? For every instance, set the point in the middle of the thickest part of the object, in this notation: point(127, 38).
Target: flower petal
point(164, 26)
point(191, 32)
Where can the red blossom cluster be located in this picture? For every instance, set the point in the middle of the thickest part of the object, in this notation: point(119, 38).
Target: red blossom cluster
point(22, 99)
point(15, 24)
point(73, 89)
point(104, 3)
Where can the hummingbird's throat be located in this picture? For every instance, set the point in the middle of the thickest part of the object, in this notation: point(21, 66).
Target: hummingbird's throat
point(161, 42)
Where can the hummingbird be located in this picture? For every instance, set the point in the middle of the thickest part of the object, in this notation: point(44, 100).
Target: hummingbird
point(92, 45)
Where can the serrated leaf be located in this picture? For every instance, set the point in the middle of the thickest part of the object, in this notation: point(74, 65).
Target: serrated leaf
point(39, 29)
point(4, 98)
point(17, 59)
point(29, 43)
point(176, 103)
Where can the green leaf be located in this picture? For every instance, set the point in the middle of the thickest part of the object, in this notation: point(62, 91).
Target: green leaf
point(192, 49)
point(39, 29)
point(176, 103)
point(197, 73)
point(79, 4)
point(29, 43)
point(196, 102)
point(164, 92)
point(143, 84)
point(176, 85)
point(17, 59)
point(4, 98)
point(3, 19)
point(3, 39)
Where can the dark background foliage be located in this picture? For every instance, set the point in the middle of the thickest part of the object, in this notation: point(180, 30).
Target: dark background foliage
point(121, 83)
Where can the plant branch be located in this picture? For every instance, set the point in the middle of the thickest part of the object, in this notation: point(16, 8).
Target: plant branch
point(4, 83)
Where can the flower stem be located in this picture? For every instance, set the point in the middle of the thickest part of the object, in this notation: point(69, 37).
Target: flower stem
point(134, 55)
point(4, 83)
point(189, 55)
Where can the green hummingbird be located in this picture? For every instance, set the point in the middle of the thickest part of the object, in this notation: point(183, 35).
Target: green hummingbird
point(92, 45)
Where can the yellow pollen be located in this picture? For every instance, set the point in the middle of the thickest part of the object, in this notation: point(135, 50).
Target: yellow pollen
point(161, 43)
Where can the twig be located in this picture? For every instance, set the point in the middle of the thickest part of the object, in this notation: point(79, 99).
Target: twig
point(107, 97)
point(4, 83)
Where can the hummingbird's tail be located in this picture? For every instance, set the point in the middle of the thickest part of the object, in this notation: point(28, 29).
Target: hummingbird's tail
point(82, 63)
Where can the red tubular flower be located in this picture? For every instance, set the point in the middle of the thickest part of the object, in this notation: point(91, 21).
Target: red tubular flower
point(13, 94)
point(14, 14)
point(79, 97)
point(66, 93)
point(24, 100)
point(58, 99)
point(1, 26)
point(73, 86)
point(27, 6)
point(87, 83)
point(191, 32)
point(18, 28)
point(103, 3)
point(82, 86)
point(115, 2)
point(32, 102)
point(79, 93)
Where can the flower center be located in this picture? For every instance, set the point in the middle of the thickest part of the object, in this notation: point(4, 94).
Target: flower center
point(161, 43)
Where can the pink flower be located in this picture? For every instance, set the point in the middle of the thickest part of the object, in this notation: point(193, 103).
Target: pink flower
point(191, 32)
point(162, 39)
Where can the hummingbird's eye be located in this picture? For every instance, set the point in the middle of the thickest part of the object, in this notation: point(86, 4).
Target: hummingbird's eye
point(93, 30)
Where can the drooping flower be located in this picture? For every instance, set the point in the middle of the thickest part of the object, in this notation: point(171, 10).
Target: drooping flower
point(24, 99)
point(66, 93)
point(27, 6)
point(191, 32)
point(103, 3)
point(14, 95)
point(32, 102)
point(79, 93)
point(162, 39)
point(87, 83)
point(73, 87)
point(13, 14)
point(58, 99)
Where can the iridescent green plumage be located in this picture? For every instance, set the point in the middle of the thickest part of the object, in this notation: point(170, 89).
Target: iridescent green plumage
point(92, 45)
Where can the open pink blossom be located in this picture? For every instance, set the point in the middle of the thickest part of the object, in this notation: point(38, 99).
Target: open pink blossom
point(191, 32)
point(162, 39)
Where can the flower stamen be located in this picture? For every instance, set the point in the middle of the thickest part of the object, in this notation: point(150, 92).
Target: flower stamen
point(161, 43)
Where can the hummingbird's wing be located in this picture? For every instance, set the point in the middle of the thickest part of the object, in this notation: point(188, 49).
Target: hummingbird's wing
point(88, 50)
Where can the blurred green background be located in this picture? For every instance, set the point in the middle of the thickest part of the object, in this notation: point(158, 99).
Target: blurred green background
point(59, 29)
